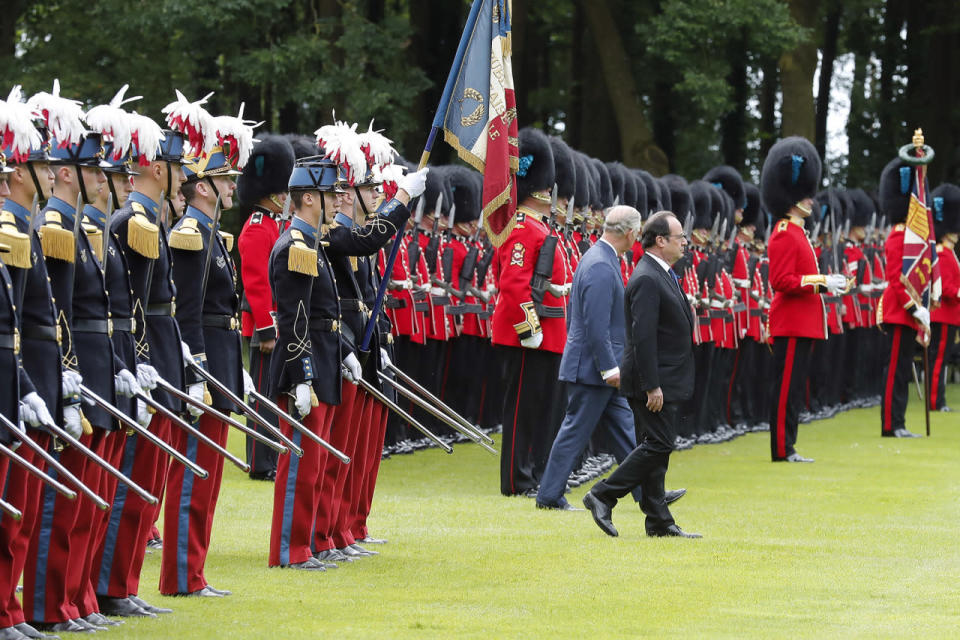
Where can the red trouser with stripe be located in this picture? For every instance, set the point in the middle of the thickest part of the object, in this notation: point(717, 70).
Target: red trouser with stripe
point(189, 507)
point(362, 416)
point(117, 568)
point(901, 341)
point(23, 491)
point(61, 541)
point(791, 359)
point(942, 336)
point(84, 595)
point(296, 491)
point(343, 435)
point(372, 457)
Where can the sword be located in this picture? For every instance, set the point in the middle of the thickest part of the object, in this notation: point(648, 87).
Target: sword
point(56, 466)
point(190, 429)
point(206, 260)
point(145, 302)
point(109, 468)
point(553, 200)
point(143, 431)
point(916, 381)
point(436, 413)
point(11, 510)
point(106, 238)
point(413, 384)
point(406, 417)
point(269, 404)
point(187, 398)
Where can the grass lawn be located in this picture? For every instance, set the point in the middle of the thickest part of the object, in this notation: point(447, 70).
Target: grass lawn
point(863, 543)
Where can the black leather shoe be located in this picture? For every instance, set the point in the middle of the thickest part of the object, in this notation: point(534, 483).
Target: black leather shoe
point(796, 457)
point(560, 506)
point(310, 564)
point(672, 531)
point(62, 627)
point(27, 631)
point(11, 633)
point(125, 607)
point(155, 544)
point(266, 476)
point(601, 513)
point(903, 433)
point(206, 592)
point(366, 552)
point(672, 496)
point(369, 540)
point(101, 621)
point(146, 606)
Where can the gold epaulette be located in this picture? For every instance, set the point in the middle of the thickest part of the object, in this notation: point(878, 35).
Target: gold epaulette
point(899, 227)
point(783, 225)
point(186, 237)
point(18, 243)
point(142, 235)
point(302, 259)
point(95, 236)
point(56, 241)
point(227, 240)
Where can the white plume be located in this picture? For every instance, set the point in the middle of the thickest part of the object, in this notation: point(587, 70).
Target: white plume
point(64, 117)
point(377, 148)
point(113, 123)
point(341, 143)
point(17, 126)
point(193, 121)
point(239, 133)
point(146, 135)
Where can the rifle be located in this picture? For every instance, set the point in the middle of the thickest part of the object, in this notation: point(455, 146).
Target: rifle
point(54, 484)
point(403, 415)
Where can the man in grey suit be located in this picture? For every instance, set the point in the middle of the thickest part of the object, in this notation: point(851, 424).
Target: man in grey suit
point(590, 364)
point(657, 377)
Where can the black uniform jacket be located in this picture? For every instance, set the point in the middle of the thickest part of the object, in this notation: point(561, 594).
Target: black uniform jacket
point(143, 240)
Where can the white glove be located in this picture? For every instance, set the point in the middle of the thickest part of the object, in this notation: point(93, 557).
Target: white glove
point(185, 350)
point(385, 360)
point(143, 416)
point(248, 385)
point(302, 398)
point(414, 183)
point(195, 391)
point(922, 316)
point(71, 383)
point(533, 342)
point(34, 410)
point(147, 376)
point(73, 425)
point(354, 370)
point(836, 283)
point(126, 383)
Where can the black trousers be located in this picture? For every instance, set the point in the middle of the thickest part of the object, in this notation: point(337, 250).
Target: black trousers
point(897, 374)
point(941, 339)
point(531, 384)
point(646, 466)
point(791, 360)
point(698, 404)
point(261, 458)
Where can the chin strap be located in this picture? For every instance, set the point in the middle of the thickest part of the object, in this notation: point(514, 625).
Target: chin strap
point(216, 192)
point(83, 187)
point(36, 181)
point(366, 214)
point(113, 192)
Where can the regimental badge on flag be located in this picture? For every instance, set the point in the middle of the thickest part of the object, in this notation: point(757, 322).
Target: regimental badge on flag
point(478, 111)
point(921, 273)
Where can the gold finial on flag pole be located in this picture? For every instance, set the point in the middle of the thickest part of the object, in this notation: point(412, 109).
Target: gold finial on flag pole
point(918, 138)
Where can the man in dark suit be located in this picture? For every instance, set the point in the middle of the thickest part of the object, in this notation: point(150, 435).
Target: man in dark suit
point(656, 378)
point(590, 365)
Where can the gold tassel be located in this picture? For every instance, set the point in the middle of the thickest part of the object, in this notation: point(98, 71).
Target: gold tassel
point(20, 250)
point(314, 401)
point(143, 236)
point(207, 398)
point(56, 241)
point(186, 240)
point(302, 259)
point(227, 240)
point(354, 263)
point(85, 424)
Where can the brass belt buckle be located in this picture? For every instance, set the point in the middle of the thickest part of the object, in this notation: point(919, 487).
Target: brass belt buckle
point(233, 323)
point(16, 341)
point(173, 308)
point(59, 334)
point(133, 325)
point(334, 326)
point(110, 327)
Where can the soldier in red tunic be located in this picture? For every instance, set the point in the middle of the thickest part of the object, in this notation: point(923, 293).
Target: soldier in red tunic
point(946, 317)
point(528, 323)
point(791, 173)
point(262, 189)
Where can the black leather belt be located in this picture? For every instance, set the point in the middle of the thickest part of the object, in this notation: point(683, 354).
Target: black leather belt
point(418, 295)
point(127, 325)
point(439, 301)
point(549, 312)
point(737, 308)
point(10, 341)
point(756, 313)
point(45, 332)
point(165, 309)
point(92, 325)
point(704, 321)
point(324, 324)
point(421, 306)
point(456, 309)
point(352, 304)
point(396, 303)
point(220, 321)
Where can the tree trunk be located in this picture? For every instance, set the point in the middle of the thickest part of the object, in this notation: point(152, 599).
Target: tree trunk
point(797, 68)
point(636, 139)
point(890, 52)
point(768, 107)
point(831, 33)
point(733, 135)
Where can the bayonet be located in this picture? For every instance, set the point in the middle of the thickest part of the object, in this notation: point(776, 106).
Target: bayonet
point(553, 200)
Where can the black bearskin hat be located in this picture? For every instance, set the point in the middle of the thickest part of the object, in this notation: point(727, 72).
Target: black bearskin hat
point(584, 181)
point(945, 205)
point(438, 182)
point(680, 201)
point(896, 185)
point(727, 178)
point(606, 185)
point(652, 193)
point(303, 146)
point(537, 171)
point(702, 201)
point(791, 173)
point(640, 202)
point(863, 208)
point(565, 168)
point(467, 188)
point(752, 212)
point(616, 182)
point(666, 202)
point(266, 172)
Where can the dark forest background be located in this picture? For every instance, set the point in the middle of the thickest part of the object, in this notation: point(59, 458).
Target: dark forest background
point(667, 85)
